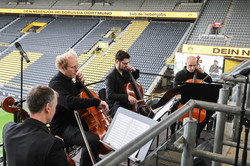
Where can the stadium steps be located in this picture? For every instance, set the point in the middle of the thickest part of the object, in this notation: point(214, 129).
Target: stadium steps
point(100, 65)
point(83, 58)
point(10, 65)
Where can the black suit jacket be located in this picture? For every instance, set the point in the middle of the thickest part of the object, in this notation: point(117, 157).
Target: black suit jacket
point(30, 144)
point(67, 103)
point(184, 75)
point(114, 84)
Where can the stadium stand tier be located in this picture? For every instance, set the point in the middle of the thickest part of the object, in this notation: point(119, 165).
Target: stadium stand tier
point(149, 46)
point(156, 40)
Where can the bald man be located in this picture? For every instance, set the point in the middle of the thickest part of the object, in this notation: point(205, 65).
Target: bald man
point(188, 72)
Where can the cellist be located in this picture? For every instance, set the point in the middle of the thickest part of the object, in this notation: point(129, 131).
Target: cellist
point(116, 79)
point(188, 72)
point(64, 123)
point(191, 67)
point(30, 143)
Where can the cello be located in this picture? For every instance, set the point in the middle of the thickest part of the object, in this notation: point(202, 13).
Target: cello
point(134, 88)
point(8, 106)
point(199, 114)
point(96, 119)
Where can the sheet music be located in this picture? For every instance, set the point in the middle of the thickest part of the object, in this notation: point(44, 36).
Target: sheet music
point(124, 130)
point(164, 109)
point(125, 127)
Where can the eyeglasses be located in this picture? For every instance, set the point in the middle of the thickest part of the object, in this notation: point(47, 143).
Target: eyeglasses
point(73, 67)
point(125, 63)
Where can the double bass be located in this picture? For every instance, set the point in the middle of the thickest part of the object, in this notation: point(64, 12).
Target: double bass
point(96, 119)
point(134, 88)
point(8, 105)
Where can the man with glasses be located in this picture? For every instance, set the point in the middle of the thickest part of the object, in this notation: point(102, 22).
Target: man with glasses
point(64, 123)
point(115, 81)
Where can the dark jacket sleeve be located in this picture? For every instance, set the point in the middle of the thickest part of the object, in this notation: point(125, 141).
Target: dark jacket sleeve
point(56, 155)
point(112, 94)
point(136, 74)
point(177, 80)
point(71, 102)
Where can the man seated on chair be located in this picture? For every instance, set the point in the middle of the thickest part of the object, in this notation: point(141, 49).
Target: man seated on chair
point(115, 81)
point(30, 143)
point(188, 73)
point(64, 122)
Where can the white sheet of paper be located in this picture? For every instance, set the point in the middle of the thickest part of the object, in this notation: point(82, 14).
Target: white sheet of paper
point(124, 130)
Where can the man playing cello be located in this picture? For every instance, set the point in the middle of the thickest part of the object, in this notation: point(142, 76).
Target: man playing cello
point(189, 71)
point(64, 122)
point(115, 81)
point(186, 73)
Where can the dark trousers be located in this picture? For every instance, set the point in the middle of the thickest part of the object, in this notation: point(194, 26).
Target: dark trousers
point(73, 136)
point(173, 108)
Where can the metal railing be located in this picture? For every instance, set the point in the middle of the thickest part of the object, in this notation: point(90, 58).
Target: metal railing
point(221, 108)
point(123, 153)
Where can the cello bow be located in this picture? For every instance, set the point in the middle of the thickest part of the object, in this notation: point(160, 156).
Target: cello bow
point(84, 137)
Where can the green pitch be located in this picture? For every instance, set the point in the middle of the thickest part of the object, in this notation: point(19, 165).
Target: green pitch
point(4, 118)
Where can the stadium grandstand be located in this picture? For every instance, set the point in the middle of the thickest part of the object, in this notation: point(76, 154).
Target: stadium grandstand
point(159, 35)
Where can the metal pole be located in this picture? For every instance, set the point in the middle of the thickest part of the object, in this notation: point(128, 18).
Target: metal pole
point(248, 97)
point(234, 144)
point(215, 157)
point(232, 79)
point(242, 114)
point(244, 155)
point(220, 107)
point(220, 124)
point(190, 136)
point(236, 117)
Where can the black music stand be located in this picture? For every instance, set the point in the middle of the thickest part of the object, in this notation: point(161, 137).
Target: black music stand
point(167, 96)
point(196, 91)
point(203, 92)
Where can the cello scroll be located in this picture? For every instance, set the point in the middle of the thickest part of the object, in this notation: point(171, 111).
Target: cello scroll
point(8, 105)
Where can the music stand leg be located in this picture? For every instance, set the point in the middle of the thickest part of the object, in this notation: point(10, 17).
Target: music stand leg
point(157, 140)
